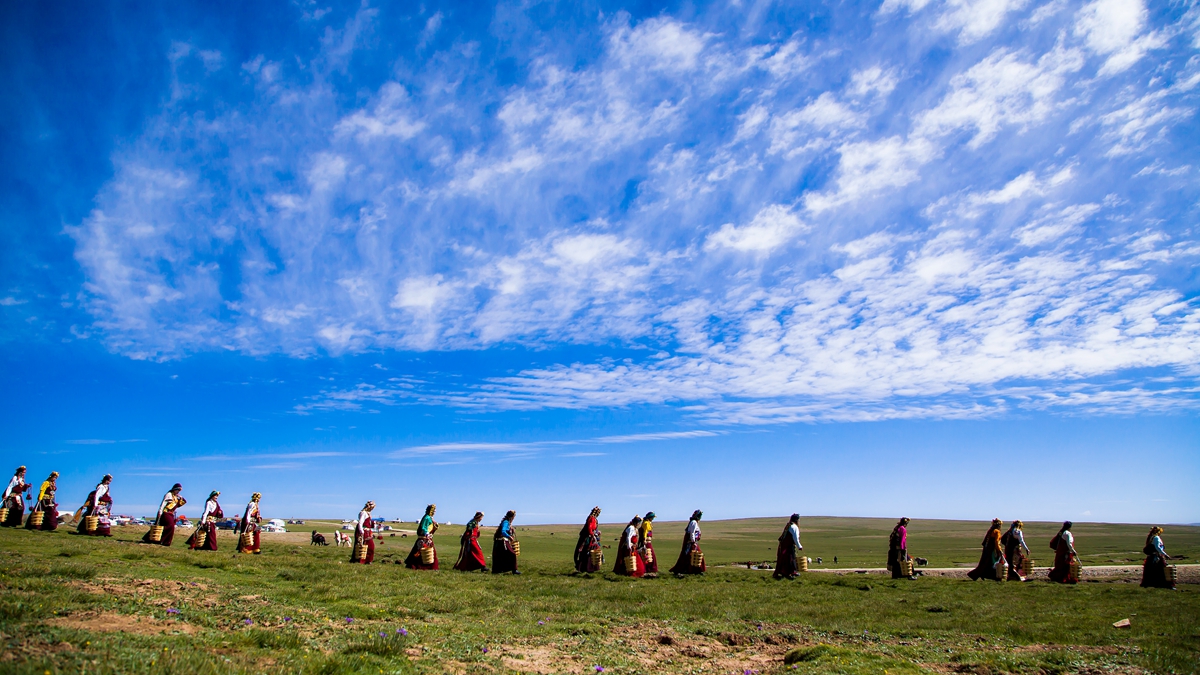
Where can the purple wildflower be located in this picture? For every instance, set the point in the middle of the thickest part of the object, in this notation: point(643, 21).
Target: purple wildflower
point(485, 650)
point(541, 623)
point(247, 622)
point(382, 634)
point(599, 669)
point(172, 610)
point(402, 631)
point(287, 618)
point(349, 620)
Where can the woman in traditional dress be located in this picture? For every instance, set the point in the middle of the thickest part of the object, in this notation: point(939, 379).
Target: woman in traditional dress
point(898, 550)
point(364, 533)
point(992, 557)
point(1015, 551)
point(14, 499)
point(1154, 571)
point(99, 504)
point(46, 505)
point(504, 558)
point(629, 549)
point(250, 522)
point(470, 556)
point(787, 564)
point(691, 542)
point(425, 530)
point(207, 524)
point(646, 544)
point(1063, 544)
point(166, 516)
point(589, 540)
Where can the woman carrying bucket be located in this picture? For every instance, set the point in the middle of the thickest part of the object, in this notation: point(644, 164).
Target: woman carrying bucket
point(787, 562)
point(646, 544)
point(1066, 560)
point(1016, 551)
point(991, 559)
point(363, 551)
point(1154, 570)
point(470, 555)
point(248, 531)
point(96, 511)
point(897, 560)
point(46, 506)
point(205, 536)
point(629, 562)
point(504, 546)
point(14, 501)
point(423, 555)
point(163, 530)
point(588, 555)
point(691, 558)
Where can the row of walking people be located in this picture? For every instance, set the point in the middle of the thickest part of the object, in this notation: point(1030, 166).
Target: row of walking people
point(1005, 556)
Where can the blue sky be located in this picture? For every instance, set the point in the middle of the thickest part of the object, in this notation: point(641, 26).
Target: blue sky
point(851, 259)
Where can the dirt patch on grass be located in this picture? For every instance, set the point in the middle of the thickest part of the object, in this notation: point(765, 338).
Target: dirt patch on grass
point(157, 592)
point(540, 660)
point(112, 622)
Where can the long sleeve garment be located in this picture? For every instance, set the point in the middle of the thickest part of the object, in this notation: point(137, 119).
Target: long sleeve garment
point(1070, 541)
point(645, 532)
point(362, 524)
point(101, 492)
point(504, 531)
point(169, 502)
point(693, 531)
point(629, 538)
point(425, 527)
point(47, 488)
point(1156, 543)
point(794, 530)
point(249, 517)
point(15, 487)
point(211, 510)
point(1020, 536)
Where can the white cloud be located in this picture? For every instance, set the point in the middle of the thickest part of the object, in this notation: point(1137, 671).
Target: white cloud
point(869, 167)
point(1004, 89)
point(1113, 28)
point(772, 227)
point(975, 19)
point(391, 117)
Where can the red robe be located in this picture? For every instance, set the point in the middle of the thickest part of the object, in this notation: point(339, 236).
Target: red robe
point(1062, 571)
point(684, 564)
point(786, 562)
point(210, 541)
point(589, 539)
point(989, 558)
point(249, 524)
point(470, 555)
point(623, 551)
point(367, 536)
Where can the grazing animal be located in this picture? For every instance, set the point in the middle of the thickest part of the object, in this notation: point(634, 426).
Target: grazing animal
point(318, 539)
point(341, 539)
point(921, 561)
point(819, 561)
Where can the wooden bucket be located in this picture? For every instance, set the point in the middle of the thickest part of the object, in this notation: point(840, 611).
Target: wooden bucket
point(906, 567)
point(1173, 574)
point(247, 539)
point(1001, 571)
point(1076, 569)
point(201, 537)
point(697, 558)
point(1028, 565)
point(156, 533)
point(36, 518)
point(427, 555)
point(516, 547)
point(649, 556)
point(597, 557)
point(802, 563)
point(360, 550)
point(631, 563)
point(3, 514)
point(91, 523)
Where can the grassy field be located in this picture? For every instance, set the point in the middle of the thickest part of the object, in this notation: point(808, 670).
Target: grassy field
point(72, 604)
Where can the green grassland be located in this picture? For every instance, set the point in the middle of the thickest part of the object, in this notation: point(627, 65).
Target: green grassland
point(80, 604)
